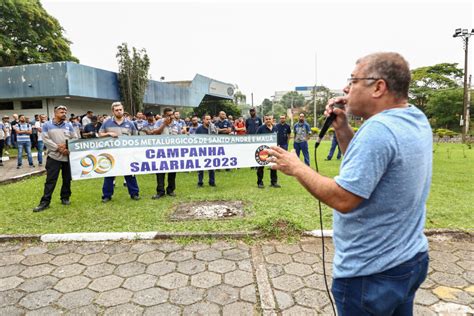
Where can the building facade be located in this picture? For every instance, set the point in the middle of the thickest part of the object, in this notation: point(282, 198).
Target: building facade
point(38, 88)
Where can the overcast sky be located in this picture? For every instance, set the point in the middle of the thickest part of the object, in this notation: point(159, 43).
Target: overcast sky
point(264, 46)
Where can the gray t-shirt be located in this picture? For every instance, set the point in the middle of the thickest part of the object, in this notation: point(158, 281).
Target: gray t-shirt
point(173, 129)
point(389, 164)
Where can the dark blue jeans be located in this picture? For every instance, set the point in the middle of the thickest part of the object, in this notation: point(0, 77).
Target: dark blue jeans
point(390, 292)
point(334, 144)
point(40, 151)
point(27, 147)
point(303, 146)
point(108, 187)
point(212, 177)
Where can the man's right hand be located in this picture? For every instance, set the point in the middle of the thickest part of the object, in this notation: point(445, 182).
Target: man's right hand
point(341, 116)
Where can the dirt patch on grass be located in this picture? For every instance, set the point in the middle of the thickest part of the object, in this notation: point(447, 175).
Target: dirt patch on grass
point(208, 210)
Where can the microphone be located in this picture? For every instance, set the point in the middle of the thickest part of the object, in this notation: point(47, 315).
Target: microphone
point(327, 124)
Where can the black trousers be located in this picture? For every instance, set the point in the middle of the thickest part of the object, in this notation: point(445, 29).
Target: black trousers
point(273, 175)
point(160, 179)
point(52, 173)
point(2, 144)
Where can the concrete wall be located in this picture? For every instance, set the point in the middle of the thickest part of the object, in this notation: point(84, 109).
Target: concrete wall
point(77, 107)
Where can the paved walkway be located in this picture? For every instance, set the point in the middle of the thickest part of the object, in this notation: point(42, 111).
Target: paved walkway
point(223, 278)
point(9, 172)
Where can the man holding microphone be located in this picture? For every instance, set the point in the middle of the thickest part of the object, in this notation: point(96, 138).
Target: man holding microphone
point(379, 197)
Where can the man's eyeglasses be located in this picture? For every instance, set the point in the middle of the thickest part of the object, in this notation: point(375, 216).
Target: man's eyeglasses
point(352, 80)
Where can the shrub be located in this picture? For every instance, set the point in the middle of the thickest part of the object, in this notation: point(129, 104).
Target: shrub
point(314, 130)
point(442, 132)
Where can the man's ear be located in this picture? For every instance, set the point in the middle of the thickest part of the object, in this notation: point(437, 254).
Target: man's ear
point(380, 88)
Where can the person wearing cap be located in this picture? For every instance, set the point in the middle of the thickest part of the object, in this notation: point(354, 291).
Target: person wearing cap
point(117, 126)
point(91, 130)
point(253, 122)
point(76, 125)
point(55, 135)
point(149, 125)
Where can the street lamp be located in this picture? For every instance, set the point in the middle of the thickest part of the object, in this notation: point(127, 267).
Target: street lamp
point(465, 34)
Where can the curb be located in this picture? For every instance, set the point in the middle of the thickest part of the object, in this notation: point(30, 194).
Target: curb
point(25, 237)
point(115, 236)
point(22, 176)
point(438, 234)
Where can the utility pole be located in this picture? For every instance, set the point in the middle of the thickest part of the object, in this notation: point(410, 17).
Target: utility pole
point(291, 117)
point(315, 118)
point(468, 108)
point(465, 34)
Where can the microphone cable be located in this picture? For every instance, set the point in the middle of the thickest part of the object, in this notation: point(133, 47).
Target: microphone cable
point(322, 236)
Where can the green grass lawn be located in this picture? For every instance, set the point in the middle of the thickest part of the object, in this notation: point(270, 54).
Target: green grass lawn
point(451, 202)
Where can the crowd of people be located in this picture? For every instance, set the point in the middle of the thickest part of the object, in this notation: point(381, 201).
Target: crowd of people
point(51, 135)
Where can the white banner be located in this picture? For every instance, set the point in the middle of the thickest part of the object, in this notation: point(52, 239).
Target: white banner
point(133, 155)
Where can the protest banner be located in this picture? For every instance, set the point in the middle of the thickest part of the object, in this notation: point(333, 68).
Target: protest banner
point(133, 155)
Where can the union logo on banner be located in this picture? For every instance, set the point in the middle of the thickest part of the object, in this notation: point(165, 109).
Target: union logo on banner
point(101, 164)
point(261, 155)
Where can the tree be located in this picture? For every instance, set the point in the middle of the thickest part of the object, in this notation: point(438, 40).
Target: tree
point(29, 35)
point(239, 98)
point(445, 107)
point(323, 94)
point(292, 98)
point(426, 80)
point(212, 106)
point(267, 106)
point(132, 77)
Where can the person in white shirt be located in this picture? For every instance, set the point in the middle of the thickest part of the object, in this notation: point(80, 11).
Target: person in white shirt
point(2, 141)
point(8, 133)
point(39, 127)
point(87, 118)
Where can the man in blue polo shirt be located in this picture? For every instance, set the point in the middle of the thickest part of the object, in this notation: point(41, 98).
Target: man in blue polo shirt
point(23, 131)
point(223, 125)
point(253, 122)
point(283, 132)
point(166, 126)
point(117, 126)
point(55, 134)
point(181, 123)
point(206, 128)
point(267, 128)
point(149, 125)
